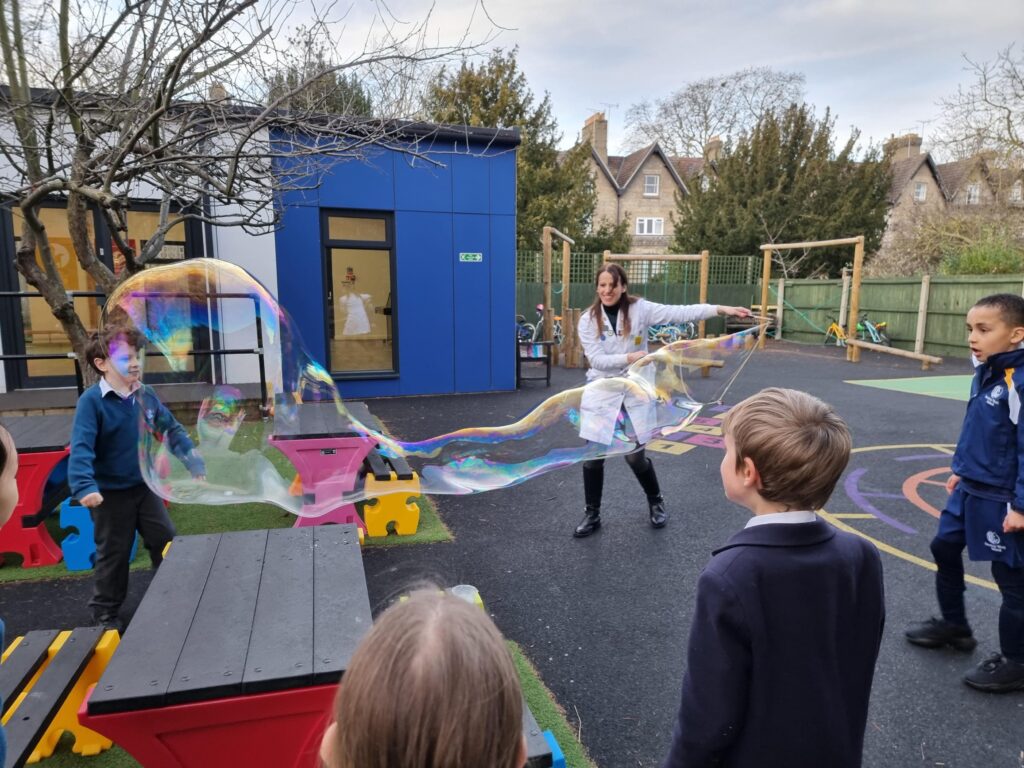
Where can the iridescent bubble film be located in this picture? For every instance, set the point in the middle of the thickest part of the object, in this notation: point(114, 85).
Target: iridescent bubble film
point(305, 452)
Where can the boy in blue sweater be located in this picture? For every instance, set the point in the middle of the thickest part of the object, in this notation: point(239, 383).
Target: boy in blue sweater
point(104, 471)
point(986, 498)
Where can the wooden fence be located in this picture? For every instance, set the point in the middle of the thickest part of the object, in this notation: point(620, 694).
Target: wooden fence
point(923, 314)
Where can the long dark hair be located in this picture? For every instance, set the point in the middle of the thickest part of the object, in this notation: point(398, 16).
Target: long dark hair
point(625, 299)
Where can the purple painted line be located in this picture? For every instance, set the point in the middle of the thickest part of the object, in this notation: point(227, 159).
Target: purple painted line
point(936, 455)
point(884, 495)
point(858, 498)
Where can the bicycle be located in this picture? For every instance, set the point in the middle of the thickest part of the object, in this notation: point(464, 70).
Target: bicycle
point(873, 332)
point(524, 331)
point(835, 333)
point(556, 327)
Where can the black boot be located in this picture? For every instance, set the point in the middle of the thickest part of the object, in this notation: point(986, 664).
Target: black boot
point(591, 522)
point(658, 514)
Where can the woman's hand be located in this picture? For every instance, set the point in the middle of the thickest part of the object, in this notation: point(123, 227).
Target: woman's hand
point(952, 482)
point(1014, 521)
point(734, 311)
point(632, 357)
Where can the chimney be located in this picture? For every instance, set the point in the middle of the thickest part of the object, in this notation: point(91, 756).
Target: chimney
point(595, 130)
point(713, 149)
point(902, 147)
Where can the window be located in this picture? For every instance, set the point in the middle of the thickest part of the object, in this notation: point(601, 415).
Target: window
point(360, 289)
point(652, 185)
point(973, 194)
point(1017, 192)
point(650, 226)
point(920, 192)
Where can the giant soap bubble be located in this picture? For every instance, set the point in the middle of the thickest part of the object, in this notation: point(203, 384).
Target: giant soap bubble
point(304, 453)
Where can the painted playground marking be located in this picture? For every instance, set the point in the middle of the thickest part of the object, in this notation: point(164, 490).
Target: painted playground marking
point(910, 492)
point(946, 387)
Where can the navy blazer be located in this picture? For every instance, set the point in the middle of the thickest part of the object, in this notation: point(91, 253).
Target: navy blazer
point(782, 651)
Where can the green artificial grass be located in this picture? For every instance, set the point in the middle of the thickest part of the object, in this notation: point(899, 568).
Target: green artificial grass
point(549, 715)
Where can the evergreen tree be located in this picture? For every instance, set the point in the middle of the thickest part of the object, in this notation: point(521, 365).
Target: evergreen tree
point(327, 89)
point(551, 191)
point(784, 182)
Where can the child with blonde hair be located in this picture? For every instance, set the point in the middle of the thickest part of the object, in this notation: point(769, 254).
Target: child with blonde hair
point(432, 685)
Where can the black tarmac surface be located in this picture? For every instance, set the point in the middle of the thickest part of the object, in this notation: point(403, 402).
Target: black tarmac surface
point(605, 619)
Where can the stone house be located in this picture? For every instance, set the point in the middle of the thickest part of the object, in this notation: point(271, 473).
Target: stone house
point(641, 186)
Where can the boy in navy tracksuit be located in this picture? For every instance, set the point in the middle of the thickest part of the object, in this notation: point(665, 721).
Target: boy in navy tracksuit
point(789, 612)
point(986, 493)
point(104, 471)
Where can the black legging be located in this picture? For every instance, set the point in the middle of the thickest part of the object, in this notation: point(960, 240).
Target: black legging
point(643, 468)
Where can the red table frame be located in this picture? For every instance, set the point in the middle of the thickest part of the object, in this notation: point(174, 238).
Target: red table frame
point(33, 543)
point(281, 728)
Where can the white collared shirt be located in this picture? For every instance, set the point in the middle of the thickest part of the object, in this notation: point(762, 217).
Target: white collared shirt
point(105, 388)
point(781, 517)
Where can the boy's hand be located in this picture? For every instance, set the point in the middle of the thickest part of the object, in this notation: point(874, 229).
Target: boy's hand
point(92, 500)
point(952, 483)
point(1014, 521)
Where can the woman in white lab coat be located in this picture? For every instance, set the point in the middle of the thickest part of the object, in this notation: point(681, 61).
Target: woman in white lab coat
point(614, 336)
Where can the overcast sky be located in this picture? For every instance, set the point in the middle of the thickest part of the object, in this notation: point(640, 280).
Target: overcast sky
point(881, 65)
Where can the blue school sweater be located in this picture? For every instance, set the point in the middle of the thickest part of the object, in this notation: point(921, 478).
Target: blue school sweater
point(105, 440)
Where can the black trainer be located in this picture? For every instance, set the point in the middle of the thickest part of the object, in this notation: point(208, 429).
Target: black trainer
point(590, 523)
point(997, 674)
point(110, 621)
point(936, 633)
point(658, 514)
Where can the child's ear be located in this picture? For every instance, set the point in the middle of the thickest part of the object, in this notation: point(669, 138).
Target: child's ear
point(751, 477)
point(1018, 335)
point(100, 363)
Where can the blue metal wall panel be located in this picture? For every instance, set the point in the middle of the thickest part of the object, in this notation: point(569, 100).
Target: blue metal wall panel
point(427, 299)
point(421, 185)
point(471, 177)
point(503, 302)
point(503, 182)
point(300, 283)
point(472, 338)
point(367, 184)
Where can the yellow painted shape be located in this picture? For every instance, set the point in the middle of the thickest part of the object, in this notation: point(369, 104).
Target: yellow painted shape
point(87, 742)
point(668, 446)
point(703, 429)
point(389, 503)
point(853, 515)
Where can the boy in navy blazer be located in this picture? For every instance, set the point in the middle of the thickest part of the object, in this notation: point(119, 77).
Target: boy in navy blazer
point(789, 612)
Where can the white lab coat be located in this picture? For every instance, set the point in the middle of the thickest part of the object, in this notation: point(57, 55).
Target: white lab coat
point(607, 390)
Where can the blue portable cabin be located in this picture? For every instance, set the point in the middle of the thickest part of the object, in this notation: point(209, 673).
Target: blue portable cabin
point(399, 268)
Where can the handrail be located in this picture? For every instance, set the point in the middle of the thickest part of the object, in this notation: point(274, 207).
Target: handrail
point(258, 350)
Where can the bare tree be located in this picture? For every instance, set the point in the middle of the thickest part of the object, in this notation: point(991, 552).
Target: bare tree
point(725, 106)
point(987, 114)
point(110, 101)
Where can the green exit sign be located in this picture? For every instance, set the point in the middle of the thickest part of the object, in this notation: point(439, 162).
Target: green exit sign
point(471, 257)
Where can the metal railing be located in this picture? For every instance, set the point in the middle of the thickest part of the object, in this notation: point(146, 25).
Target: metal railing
point(258, 350)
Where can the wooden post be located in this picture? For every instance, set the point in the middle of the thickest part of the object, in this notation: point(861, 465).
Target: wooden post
point(546, 242)
point(853, 350)
point(844, 295)
point(607, 256)
point(766, 277)
point(565, 283)
point(922, 313)
point(778, 313)
point(705, 268)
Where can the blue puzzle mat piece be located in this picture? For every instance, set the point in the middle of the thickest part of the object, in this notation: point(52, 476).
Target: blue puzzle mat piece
point(79, 548)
